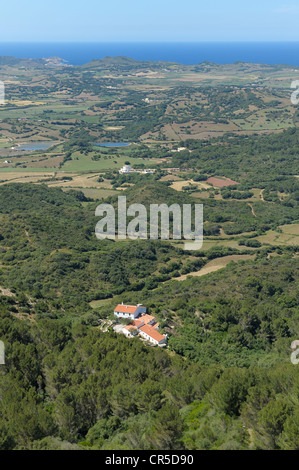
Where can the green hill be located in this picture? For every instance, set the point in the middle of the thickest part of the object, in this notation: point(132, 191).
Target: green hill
point(77, 387)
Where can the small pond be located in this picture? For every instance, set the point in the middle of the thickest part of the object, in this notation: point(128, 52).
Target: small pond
point(113, 144)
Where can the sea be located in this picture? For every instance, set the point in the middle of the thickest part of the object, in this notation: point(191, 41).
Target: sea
point(183, 52)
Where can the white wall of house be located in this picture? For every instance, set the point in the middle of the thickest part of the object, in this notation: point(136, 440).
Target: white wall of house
point(126, 169)
point(147, 337)
point(152, 340)
point(127, 333)
point(130, 316)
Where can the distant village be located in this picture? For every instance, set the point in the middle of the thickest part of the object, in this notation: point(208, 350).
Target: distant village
point(141, 324)
point(128, 169)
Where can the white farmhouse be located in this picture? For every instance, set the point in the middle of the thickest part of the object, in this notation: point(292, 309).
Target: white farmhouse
point(129, 311)
point(126, 169)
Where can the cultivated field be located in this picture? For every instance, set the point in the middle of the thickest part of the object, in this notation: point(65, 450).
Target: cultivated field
point(215, 265)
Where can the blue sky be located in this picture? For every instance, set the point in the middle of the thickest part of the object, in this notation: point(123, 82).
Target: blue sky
point(154, 20)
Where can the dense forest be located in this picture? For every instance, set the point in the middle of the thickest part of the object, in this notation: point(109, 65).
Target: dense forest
point(255, 159)
point(225, 382)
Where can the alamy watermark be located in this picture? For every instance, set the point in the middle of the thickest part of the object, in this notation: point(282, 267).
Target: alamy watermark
point(295, 353)
point(2, 353)
point(137, 228)
point(2, 93)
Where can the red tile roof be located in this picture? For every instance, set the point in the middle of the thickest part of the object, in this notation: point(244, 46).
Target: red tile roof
point(126, 308)
point(134, 324)
point(137, 322)
point(147, 318)
point(150, 331)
